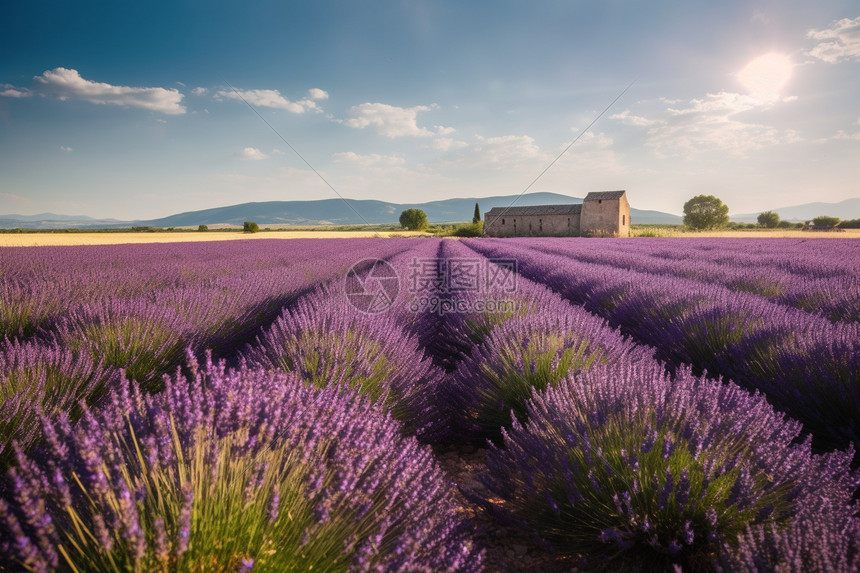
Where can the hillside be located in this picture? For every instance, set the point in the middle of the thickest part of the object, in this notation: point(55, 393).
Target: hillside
point(847, 209)
point(323, 212)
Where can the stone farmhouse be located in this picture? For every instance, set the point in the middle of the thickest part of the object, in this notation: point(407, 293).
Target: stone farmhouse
point(601, 214)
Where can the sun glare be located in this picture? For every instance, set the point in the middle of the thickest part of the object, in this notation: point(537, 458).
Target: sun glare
point(765, 76)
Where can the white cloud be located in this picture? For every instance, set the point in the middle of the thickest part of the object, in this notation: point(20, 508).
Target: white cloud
point(634, 120)
point(448, 144)
point(316, 93)
point(68, 84)
point(504, 151)
point(392, 121)
point(274, 99)
point(711, 123)
point(199, 91)
point(250, 154)
point(721, 103)
point(843, 135)
point(506, 148)
point(11, 91)
point(65, 148)
point(838, 43)
point(373, 159)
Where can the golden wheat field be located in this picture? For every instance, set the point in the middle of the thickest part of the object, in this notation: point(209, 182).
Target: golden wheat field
point(61, 239)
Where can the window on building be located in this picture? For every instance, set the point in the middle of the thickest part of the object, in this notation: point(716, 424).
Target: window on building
point(503, 221)
point(623, 219)
point(599, 201)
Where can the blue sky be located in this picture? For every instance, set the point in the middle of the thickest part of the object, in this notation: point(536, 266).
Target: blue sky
point(125, 110)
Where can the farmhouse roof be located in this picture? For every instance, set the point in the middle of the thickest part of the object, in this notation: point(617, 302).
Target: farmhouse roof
point(595, 195)
point(534, 210)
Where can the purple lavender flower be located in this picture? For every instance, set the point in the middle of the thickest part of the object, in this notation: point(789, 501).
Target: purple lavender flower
point(503, 372)
point(683, 512)
point(327, 342)
point(226, 428)
point(37, 379)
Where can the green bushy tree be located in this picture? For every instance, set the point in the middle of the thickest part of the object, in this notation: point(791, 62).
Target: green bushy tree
point(705, 212)
point(414, 220)
point(768, 219)
point(250, 227)
point(825, 221)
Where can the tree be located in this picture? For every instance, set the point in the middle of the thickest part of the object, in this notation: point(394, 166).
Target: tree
point(477, 216)
point(470, 230)
point(825, 221)
point(250, 227)
point(203, 228)
point(414, 219)
point(705, 212)
point(768, 219)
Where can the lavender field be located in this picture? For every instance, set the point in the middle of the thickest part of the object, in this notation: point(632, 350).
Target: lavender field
point(431, 405)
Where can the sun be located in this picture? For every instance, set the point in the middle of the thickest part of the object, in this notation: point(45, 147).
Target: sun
point(765, 77)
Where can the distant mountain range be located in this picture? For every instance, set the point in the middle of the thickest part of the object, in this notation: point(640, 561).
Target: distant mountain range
point(321, 212)
point(358, 211)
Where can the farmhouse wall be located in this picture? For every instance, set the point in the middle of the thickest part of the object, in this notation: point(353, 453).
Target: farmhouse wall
point(537, 226)
point(602, 214)
point(539, 221)
point(605, 214)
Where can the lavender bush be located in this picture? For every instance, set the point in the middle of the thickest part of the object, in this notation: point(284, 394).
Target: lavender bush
point(145, 339)
point(451, 336)
point(327, 342)
point(40, 380)
point(527, 354)
point(227, 471)
point(806, 364)
point(622, 467)
point(824, 543)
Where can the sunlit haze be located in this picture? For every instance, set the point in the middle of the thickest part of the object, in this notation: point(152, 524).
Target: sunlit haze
point(766, 76)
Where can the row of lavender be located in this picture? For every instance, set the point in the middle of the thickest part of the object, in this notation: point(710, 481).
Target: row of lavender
point(818, 276)
point(806, 365)
point(288, 462)
point(73, 316)
point(209, 284)
point(700, 474)
point(597, 451)
point(612, 462)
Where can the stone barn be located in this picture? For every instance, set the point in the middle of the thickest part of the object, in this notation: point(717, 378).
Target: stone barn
point(601, 214)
